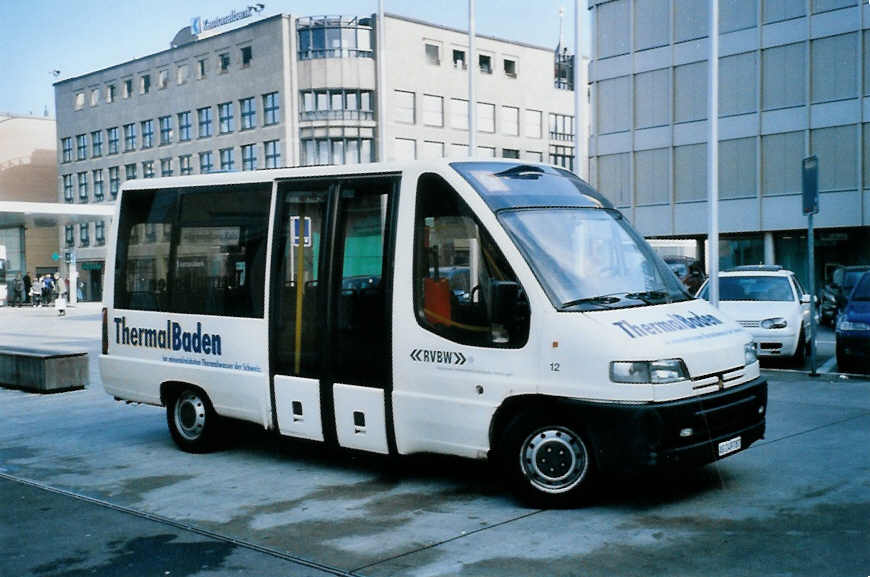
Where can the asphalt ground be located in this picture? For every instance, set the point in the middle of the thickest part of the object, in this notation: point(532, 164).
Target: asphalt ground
point(90, 486)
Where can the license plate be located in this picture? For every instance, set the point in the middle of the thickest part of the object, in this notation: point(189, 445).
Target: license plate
point(729, 446)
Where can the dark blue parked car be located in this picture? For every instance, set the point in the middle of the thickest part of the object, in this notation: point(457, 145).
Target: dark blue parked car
point(853, 329)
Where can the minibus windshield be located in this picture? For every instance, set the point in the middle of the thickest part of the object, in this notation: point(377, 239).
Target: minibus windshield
point(590, 259)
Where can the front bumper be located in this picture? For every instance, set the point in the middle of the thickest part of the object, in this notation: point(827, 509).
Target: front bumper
point(854, 345)
point(775, 343)
point(631, 437)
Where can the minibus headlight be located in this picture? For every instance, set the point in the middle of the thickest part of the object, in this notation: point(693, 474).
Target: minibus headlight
point(654, 372)
point(774, 323)
point(750, 353)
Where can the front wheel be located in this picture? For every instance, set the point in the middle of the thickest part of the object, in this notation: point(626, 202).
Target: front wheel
point(547, 460)
point(192, 420)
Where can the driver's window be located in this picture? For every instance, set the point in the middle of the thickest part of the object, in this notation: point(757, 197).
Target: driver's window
point(464, 289)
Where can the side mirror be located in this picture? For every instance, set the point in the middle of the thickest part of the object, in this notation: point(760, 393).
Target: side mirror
point(805, 299)
point(509, 311)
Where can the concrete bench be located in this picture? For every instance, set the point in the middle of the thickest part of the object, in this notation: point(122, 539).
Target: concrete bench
point(43, 371)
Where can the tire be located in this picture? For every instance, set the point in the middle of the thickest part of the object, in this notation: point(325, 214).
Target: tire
point(192, 420)
point(546, 460)
point(800, 355)
point(844, 363)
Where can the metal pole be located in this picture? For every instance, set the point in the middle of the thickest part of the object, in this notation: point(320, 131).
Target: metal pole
point(382, 85)
point(713, 155)
point(812, 277)
point(472, 103)
point(579, 90)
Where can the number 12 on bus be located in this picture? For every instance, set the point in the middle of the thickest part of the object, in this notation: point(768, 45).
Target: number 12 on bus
point(490, 309)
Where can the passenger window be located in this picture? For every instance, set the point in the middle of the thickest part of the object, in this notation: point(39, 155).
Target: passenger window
point(220, 258)
point(464, 289)
point(142, 258)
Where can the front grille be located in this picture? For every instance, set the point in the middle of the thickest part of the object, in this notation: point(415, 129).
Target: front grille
point(722, 379)
point(749, 324)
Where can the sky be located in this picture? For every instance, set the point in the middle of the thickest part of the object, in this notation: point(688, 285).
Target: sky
point(38, 37)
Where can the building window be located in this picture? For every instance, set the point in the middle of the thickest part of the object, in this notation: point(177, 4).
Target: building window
point(614, 105)
point(405, 149)
point(784, 76)
point(334, 37)
point(737, 168)
point(147, 133)
point(224, 62)
point(206, 163)
point(652, 24)
point(98, 184)
point(227, 162)
point(182, 72)
point(83, 186)
point(225, 117)
point(651, 100)
point(184, 166)
point(433, 110)
point(66, 148)
point(165, 130)
point(336, 151)
point(145, 84)
point(737, 15)
point(272, 153)
point(510, 68)
point(837, 149)
point(614, 178)
point(113, 139)
point(165, 167)
point(826, 5)
point(433, 54)
point(651, 169)
point(129, 172)
point(247, 55)
point(97, 143)
point(67, 187)
point(110, 93)
point(459, 113)
point(485, 117)
point(204, 118)
point(404, 107)
point(84, 237)
point(248, 113)
point(201, 68)
point(690, 92)
point(778, 10)
point(834, 62)
point(561, 126)
point(249, 157)
point(459, 59)
point(114, 181)
point(68, 234)
point(338, 104)
point(534, 124)
point(613, 28)
point(100, 233)
point(129, 137)
point(127, 88)
point(81, 146)
point(510, 153)
point(95, 96)
point(691, 20)
point(147, 169)
point(485, 63)
point(184, 126)
point(79, 101)
point(690, 172)
point(510, 116)
point(270, 109)
point(739, 94)
point(162, 79)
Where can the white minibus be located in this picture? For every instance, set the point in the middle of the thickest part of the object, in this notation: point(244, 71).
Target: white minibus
point(484, 309)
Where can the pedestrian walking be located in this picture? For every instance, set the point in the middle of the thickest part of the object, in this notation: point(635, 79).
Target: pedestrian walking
point(17, 297)
point(27, 284)
point(35, 293)
point(61, 294)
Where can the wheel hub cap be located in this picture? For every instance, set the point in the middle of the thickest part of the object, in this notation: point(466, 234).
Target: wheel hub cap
point(190, 416)
point(554, 459)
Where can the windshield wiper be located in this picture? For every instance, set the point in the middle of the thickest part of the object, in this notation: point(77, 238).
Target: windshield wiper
point(602, 301)
point(649, 297)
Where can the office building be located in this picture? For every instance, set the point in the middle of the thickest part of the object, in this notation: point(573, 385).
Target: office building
point(288, 91)
point(794, 76)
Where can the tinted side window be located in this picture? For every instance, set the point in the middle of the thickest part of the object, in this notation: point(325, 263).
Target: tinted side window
point(220, 251)
point(464, 289)
point(142, 256)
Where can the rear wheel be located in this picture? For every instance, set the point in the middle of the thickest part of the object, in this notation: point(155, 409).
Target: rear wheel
point(192, 420)
point(800, 354)
point(546, 460)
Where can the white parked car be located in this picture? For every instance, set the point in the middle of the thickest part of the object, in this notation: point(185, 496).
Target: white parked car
point(770, 303)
